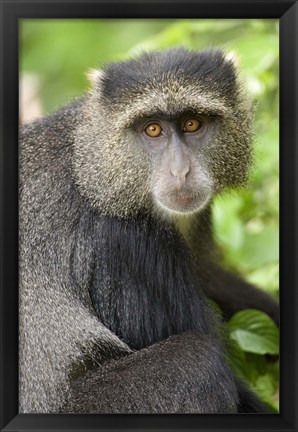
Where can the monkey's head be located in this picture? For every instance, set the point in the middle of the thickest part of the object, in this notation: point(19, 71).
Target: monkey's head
point(166, 130)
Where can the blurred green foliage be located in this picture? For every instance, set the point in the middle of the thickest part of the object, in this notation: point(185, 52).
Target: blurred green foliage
point(59, 52)
point(253, 352)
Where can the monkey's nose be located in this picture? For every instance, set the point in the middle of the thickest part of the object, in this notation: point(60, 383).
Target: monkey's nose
point(179, 163)
point(180, 173)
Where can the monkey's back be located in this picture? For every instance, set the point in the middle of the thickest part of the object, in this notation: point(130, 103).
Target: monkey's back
point(57, 321)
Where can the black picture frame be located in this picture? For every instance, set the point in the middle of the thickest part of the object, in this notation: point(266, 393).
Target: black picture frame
point(284, 10)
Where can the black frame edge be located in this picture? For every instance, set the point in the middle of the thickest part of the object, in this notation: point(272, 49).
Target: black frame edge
point(287, 421)
point(148, 8)
point(9, 216)
point(288, 202)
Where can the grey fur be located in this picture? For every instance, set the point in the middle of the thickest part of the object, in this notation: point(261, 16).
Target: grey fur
point(57, 322)
point(105, 139)
point(85, 156)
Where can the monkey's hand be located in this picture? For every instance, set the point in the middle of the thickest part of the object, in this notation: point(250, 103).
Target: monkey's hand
point(183, 374)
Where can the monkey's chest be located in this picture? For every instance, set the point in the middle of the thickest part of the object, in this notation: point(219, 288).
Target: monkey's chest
point(144, 305)
point(140, 279)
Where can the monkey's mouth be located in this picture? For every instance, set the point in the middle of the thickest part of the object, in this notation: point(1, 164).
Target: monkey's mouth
point(183, 201)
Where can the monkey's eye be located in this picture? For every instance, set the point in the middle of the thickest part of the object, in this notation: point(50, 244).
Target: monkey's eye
point(192, 125)
point(153, 130)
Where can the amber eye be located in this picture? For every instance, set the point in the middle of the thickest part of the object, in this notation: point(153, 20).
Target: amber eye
point(192, 125)
point(153, 130)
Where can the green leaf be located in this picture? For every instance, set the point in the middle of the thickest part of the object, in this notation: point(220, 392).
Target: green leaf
point(266, 386)
point(254, 332)
point(237, 361)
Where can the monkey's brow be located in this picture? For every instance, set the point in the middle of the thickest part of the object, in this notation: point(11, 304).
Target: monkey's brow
point(175, 115)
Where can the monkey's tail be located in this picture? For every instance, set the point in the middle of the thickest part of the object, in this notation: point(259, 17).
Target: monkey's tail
point(249, 402)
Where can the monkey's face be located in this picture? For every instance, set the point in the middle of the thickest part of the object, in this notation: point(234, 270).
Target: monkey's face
point(180, 179)
point(165, 131)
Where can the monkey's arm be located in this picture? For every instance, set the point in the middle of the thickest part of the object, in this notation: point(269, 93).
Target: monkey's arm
point(233, 294)
point(184, 374)
point(59, 339)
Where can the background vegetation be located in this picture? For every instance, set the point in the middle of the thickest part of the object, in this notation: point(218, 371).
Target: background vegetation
point(59, 52)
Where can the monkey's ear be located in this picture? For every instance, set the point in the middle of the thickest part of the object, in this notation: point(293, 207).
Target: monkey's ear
point(94, 76)
point(233, 58)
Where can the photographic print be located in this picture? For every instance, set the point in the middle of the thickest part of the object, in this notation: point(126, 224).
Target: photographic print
point(148, 216)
